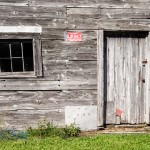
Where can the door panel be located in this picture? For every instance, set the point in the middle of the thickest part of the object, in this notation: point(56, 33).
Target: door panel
point(125, 78)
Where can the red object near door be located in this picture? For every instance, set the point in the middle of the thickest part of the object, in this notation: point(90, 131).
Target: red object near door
point(118, 112)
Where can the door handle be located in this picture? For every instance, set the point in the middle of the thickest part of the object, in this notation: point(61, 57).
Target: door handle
point(144, 61)
point(143, 80)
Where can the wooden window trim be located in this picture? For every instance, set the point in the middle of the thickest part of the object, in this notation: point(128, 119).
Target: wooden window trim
point(37, 58)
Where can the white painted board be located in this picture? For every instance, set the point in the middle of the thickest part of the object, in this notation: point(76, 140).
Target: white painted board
point(20, 29)
point(84, 117)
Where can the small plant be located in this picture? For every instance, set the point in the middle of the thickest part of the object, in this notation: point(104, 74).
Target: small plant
point(70, 131)
point(44, 129)
point(48, 129)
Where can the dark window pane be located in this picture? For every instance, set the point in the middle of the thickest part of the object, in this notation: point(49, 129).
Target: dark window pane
point(27, 50)
point(4, 50)
point(23, 49)
point(28, 64)
point(17, 65)
point(16, 50)
point(5, 65)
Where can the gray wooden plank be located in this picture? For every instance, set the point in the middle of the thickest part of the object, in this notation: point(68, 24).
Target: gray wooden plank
point(147, 81)
point(14, 3)
point(141, 85)
point(126, 89)
point(101, 3)
point(48, 33)
point(10, 97)
point(108, 24)
point(72, 56)
point(110, 104)
point(20, 36)
point(69, 65)
point(46, 105)
point(37, 48)
point(110, 117)
point(138, 91)
point(129, 80)
point(100, 77)
point(53, 23)
point(118, 74)
point(32, 12)
point(107, 13)
point(59, 46)
point(80, 23)
point(110, 69)
point(16, 85)
point(120, 102)
point(22, 119)
point(133, 90)
point(70, 75)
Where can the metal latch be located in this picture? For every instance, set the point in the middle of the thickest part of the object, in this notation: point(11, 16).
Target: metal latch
point(143, 80)
point(144, 61)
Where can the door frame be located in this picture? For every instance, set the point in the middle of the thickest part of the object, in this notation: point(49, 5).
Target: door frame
point(100, 80)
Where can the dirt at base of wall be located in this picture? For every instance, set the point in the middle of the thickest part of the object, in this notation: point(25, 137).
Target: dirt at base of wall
point(119, 129)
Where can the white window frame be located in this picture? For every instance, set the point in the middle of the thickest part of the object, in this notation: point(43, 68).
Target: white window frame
point(24, 32)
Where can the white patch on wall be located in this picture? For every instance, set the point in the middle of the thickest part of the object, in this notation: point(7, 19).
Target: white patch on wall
point(84, 117)
point(20, 29)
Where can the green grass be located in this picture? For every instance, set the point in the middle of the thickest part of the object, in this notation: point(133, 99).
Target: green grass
point(98, 142)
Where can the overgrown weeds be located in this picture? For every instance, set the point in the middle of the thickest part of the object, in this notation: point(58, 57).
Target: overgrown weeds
point(43, 130)
point(50, 130)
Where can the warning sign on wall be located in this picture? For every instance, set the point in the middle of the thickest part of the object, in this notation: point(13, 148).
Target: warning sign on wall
point(74, 36)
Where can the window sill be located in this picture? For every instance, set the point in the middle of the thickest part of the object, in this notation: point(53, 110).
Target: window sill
point(10, 75)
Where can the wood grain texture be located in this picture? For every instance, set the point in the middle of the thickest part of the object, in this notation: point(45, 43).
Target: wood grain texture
point(70, 75)
point(37, 47)
point(98, 13)
point(22, 109)
point(62, 47)
point(23, 119)
point(147, 81)
point(110, 113)
point(88, 3)
point(29, 85)
point(108, 24)
point(80, 23)
point(69, 65)
point(38, 100)
point(71, 3)
point(20, 36)
point(32, 12)
point(100, 77)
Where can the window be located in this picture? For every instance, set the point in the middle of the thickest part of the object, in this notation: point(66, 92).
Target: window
point(16, 56)
point(20, 58)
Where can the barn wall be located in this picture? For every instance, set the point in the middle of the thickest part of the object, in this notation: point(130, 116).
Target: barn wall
point(69, 69)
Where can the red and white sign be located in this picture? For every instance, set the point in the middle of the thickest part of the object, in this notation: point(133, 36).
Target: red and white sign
point(74, 36)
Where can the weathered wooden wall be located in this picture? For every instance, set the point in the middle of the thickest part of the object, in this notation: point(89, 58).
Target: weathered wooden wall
point(69, 79)
point(69, 69)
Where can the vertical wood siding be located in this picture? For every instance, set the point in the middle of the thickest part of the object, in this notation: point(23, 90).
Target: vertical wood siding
point(125, 79)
